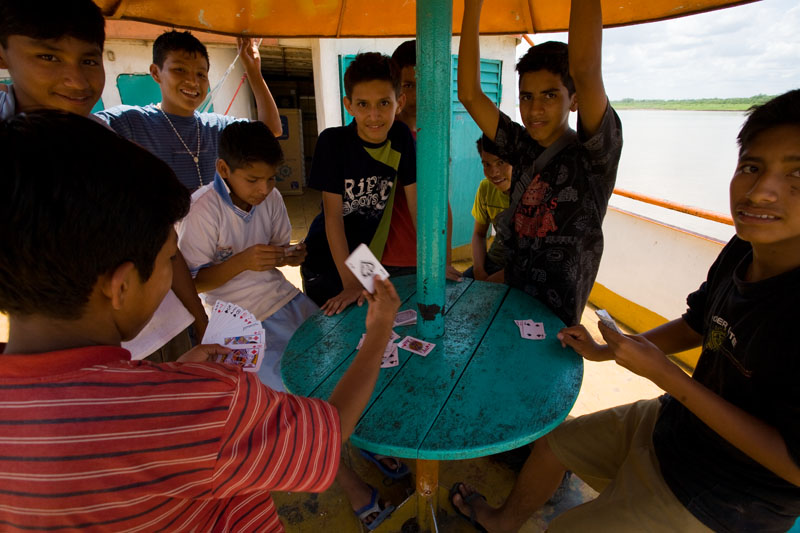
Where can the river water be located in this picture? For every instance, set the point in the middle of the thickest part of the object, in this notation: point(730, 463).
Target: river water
point(686, 157)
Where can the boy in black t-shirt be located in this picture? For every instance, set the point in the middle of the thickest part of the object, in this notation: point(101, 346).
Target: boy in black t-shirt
point(552, 230)
point(359, 168)
point(721, 450)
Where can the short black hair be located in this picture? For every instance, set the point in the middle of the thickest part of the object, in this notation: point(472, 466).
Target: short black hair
point(371, 66)
point(72, 211)
point(177, 41)
point(52, 19)
point(551, 56)
point(406, 54)
point(485, 144)
point(783, 110)
point(244, 143)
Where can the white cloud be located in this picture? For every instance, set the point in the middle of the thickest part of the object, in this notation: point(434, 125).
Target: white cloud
point(739, 51)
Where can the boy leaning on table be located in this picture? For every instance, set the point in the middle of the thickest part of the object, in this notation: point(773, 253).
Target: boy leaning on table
point(90, 439)
point(721, 450)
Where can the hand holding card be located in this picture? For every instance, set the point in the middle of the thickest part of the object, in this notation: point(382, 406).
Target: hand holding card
point(365, 266)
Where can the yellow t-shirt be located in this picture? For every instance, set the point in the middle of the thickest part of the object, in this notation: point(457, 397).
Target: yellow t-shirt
point(489, 202)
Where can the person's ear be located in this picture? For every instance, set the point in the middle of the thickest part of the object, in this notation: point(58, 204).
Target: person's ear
point(116, 284)
point(155, 72)
point(401, 102)
point(223, 169)
point(573, 105)
point(348, 105)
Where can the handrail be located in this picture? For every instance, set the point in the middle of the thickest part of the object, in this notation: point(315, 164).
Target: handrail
point(694, 211)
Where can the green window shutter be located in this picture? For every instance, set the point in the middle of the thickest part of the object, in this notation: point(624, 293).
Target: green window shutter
point(344, 62)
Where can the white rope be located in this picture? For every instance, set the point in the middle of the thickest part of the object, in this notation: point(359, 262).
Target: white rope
point(213, 92)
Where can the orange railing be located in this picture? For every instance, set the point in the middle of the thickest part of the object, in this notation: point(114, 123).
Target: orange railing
point(694, 211)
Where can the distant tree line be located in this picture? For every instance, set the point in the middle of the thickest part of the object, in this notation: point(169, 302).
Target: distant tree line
point(698, 104)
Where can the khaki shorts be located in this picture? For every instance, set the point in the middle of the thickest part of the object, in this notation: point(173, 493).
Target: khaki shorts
point(612, 451)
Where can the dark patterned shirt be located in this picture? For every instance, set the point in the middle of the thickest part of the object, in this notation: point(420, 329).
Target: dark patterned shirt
point(557, 239)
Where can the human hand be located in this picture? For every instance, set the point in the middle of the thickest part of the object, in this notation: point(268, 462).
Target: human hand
point(453, 273)
point(636, 353)
point(248, 53)
point(295, 254)
point(341, 301)
point(579, 339)
point(203, 352)
point(383, 305)
point(260, 257)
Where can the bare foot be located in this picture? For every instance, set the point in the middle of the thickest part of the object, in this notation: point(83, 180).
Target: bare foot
point(470, 503)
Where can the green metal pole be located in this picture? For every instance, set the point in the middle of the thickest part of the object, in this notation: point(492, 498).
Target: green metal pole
point(434, 34)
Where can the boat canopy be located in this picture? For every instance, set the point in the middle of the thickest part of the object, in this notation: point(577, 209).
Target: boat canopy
point(382, 18)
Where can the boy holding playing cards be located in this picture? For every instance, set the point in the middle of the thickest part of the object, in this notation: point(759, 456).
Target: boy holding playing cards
point(133, 445)
point(236, 235)
point(721, 450)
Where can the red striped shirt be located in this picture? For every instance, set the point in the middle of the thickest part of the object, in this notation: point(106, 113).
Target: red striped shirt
point(92, 440)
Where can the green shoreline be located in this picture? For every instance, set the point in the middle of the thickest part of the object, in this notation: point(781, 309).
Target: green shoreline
point(702, 104)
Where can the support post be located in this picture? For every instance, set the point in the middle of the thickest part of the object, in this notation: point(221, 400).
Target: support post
point(427, 494)
point(434, 94)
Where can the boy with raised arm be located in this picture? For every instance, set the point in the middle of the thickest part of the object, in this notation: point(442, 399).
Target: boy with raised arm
point(92, 440)
point(562, 180)
point(721, 450)
point(236, 235)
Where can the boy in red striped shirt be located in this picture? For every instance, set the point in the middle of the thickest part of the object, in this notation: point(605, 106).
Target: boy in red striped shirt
point(90, 439)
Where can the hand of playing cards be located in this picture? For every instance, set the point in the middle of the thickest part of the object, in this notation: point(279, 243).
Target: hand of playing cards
point(237, 329)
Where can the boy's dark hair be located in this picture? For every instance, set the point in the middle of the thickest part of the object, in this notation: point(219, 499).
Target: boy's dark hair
point(551, 56)
point(406, 54)
point(244, 143)
point(70, 212)
point(371, 66)
point(780, 111)
point(485, 144)
point(177, 41)
point(52, 19)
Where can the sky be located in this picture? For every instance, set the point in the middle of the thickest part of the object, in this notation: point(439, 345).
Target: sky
point(736, 52)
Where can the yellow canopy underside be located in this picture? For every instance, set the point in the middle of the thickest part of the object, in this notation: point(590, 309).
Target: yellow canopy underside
point(382, 18)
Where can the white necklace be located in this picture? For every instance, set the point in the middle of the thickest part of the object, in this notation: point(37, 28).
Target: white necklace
point(195, 156)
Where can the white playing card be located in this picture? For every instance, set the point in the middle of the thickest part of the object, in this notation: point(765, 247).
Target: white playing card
point(537, 330)
point(606, 319)
point(363, 264)
point(416, 346)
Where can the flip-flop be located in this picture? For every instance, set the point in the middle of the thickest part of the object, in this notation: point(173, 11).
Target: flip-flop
point(374, 507)
point(399, 473)
point(467, 499)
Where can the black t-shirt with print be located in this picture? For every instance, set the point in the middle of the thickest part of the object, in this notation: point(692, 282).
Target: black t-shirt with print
point(363, 174)
point(750, 358)
point(557, 239)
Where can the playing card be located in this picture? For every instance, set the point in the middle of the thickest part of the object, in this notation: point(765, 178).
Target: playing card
point(363, 264)
point(606, 319)
point(254, 338)
point(249, 359)
point(537, 330)
point(416, 346)
point(404, 318)
point(391, 360)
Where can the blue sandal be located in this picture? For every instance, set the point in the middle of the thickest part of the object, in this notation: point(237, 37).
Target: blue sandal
point(374, 507)
point(399, 472)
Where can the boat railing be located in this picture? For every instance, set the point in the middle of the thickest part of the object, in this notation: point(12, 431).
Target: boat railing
point(689, 210)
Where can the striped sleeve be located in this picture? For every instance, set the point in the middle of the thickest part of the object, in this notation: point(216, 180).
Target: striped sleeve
point(276, 441)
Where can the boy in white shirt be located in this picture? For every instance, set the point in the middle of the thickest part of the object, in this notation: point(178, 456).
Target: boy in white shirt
point(236, 235)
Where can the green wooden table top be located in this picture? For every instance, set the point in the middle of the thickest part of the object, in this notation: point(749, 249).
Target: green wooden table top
point(482, 390)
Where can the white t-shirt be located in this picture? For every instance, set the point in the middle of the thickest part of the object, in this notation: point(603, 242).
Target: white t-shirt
point(215, 229)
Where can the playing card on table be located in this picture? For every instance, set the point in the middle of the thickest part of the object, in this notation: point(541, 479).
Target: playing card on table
point(363, 264)
point(416, 346)
point(404, 318)
point(528, 329)
point(390, 357)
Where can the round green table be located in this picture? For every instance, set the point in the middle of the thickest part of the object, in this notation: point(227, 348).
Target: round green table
point(482, 390)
